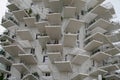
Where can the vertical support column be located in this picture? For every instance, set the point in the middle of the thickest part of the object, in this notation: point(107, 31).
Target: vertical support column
point(81, 37)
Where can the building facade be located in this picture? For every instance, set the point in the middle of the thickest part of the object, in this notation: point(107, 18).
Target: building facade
point(59, 40)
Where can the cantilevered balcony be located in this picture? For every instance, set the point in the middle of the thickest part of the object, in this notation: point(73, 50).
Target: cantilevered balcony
point(8, 24)
point(100, 56)
point(63, 66)
point(25, 44)
point(113, 77)
point(14, 50)
point(102, 12)
point(66, 2)
point(97, 72)
point(12, 7)
point(54, 48)
point(111, 67)
point(92, 45)
point(103, 24)
point(21, 67)
point(30, 21)
point(20, 14)
point(77, 51)
point(113, 51)
point(29, 77)
point(25, 34)
point(79, 4)
point(74, 25)
point(44, 68)
point(99, 37)
point(69, 40)
point(80, 59)
point(69, 12)
point(54, 56)
point(54, 32)
point(29, 59)
point(92, 3)
point(41, 26)
point(79, 76)
point(55, 5)
point(98, 29)
point(89, 17)
point(54, 18)
point(5, 61)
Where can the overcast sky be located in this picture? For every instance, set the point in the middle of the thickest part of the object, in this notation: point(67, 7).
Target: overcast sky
point(3, 9)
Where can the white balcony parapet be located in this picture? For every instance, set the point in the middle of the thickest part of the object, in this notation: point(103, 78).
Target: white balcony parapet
point(66, 2)
point(44, 68)
point(25, 44)
point(8, 24)
point(105, 13)
point(77, 51)
point(69, 12)
point(97, 72)
point(29, 77)
point(41, 26)
point(30, 21)
point(54, 18)
point(92, 3)
point(54, 48)
point(63, 66)
point(25, 34)
point(99, 37)
point(79, 76)
point(54, 56)
point(74, 25)
point(20, 14)
point(98, 29)
point(54, 32)
point(79, 4)
point(80, 59)
point(100, 56)
point(89, 17)
point(103, 24)
point(92, 45)
point(14, 50)
point(55, 5)
point(111, 67)
point(113, 51)
point(21, 67)
point(28, 59)
point(12, 7)
point(69, 40)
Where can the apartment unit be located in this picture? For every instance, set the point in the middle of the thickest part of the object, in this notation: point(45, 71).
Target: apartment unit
point(59, 40)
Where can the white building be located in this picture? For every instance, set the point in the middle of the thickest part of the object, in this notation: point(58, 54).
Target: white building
point(59, 40)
